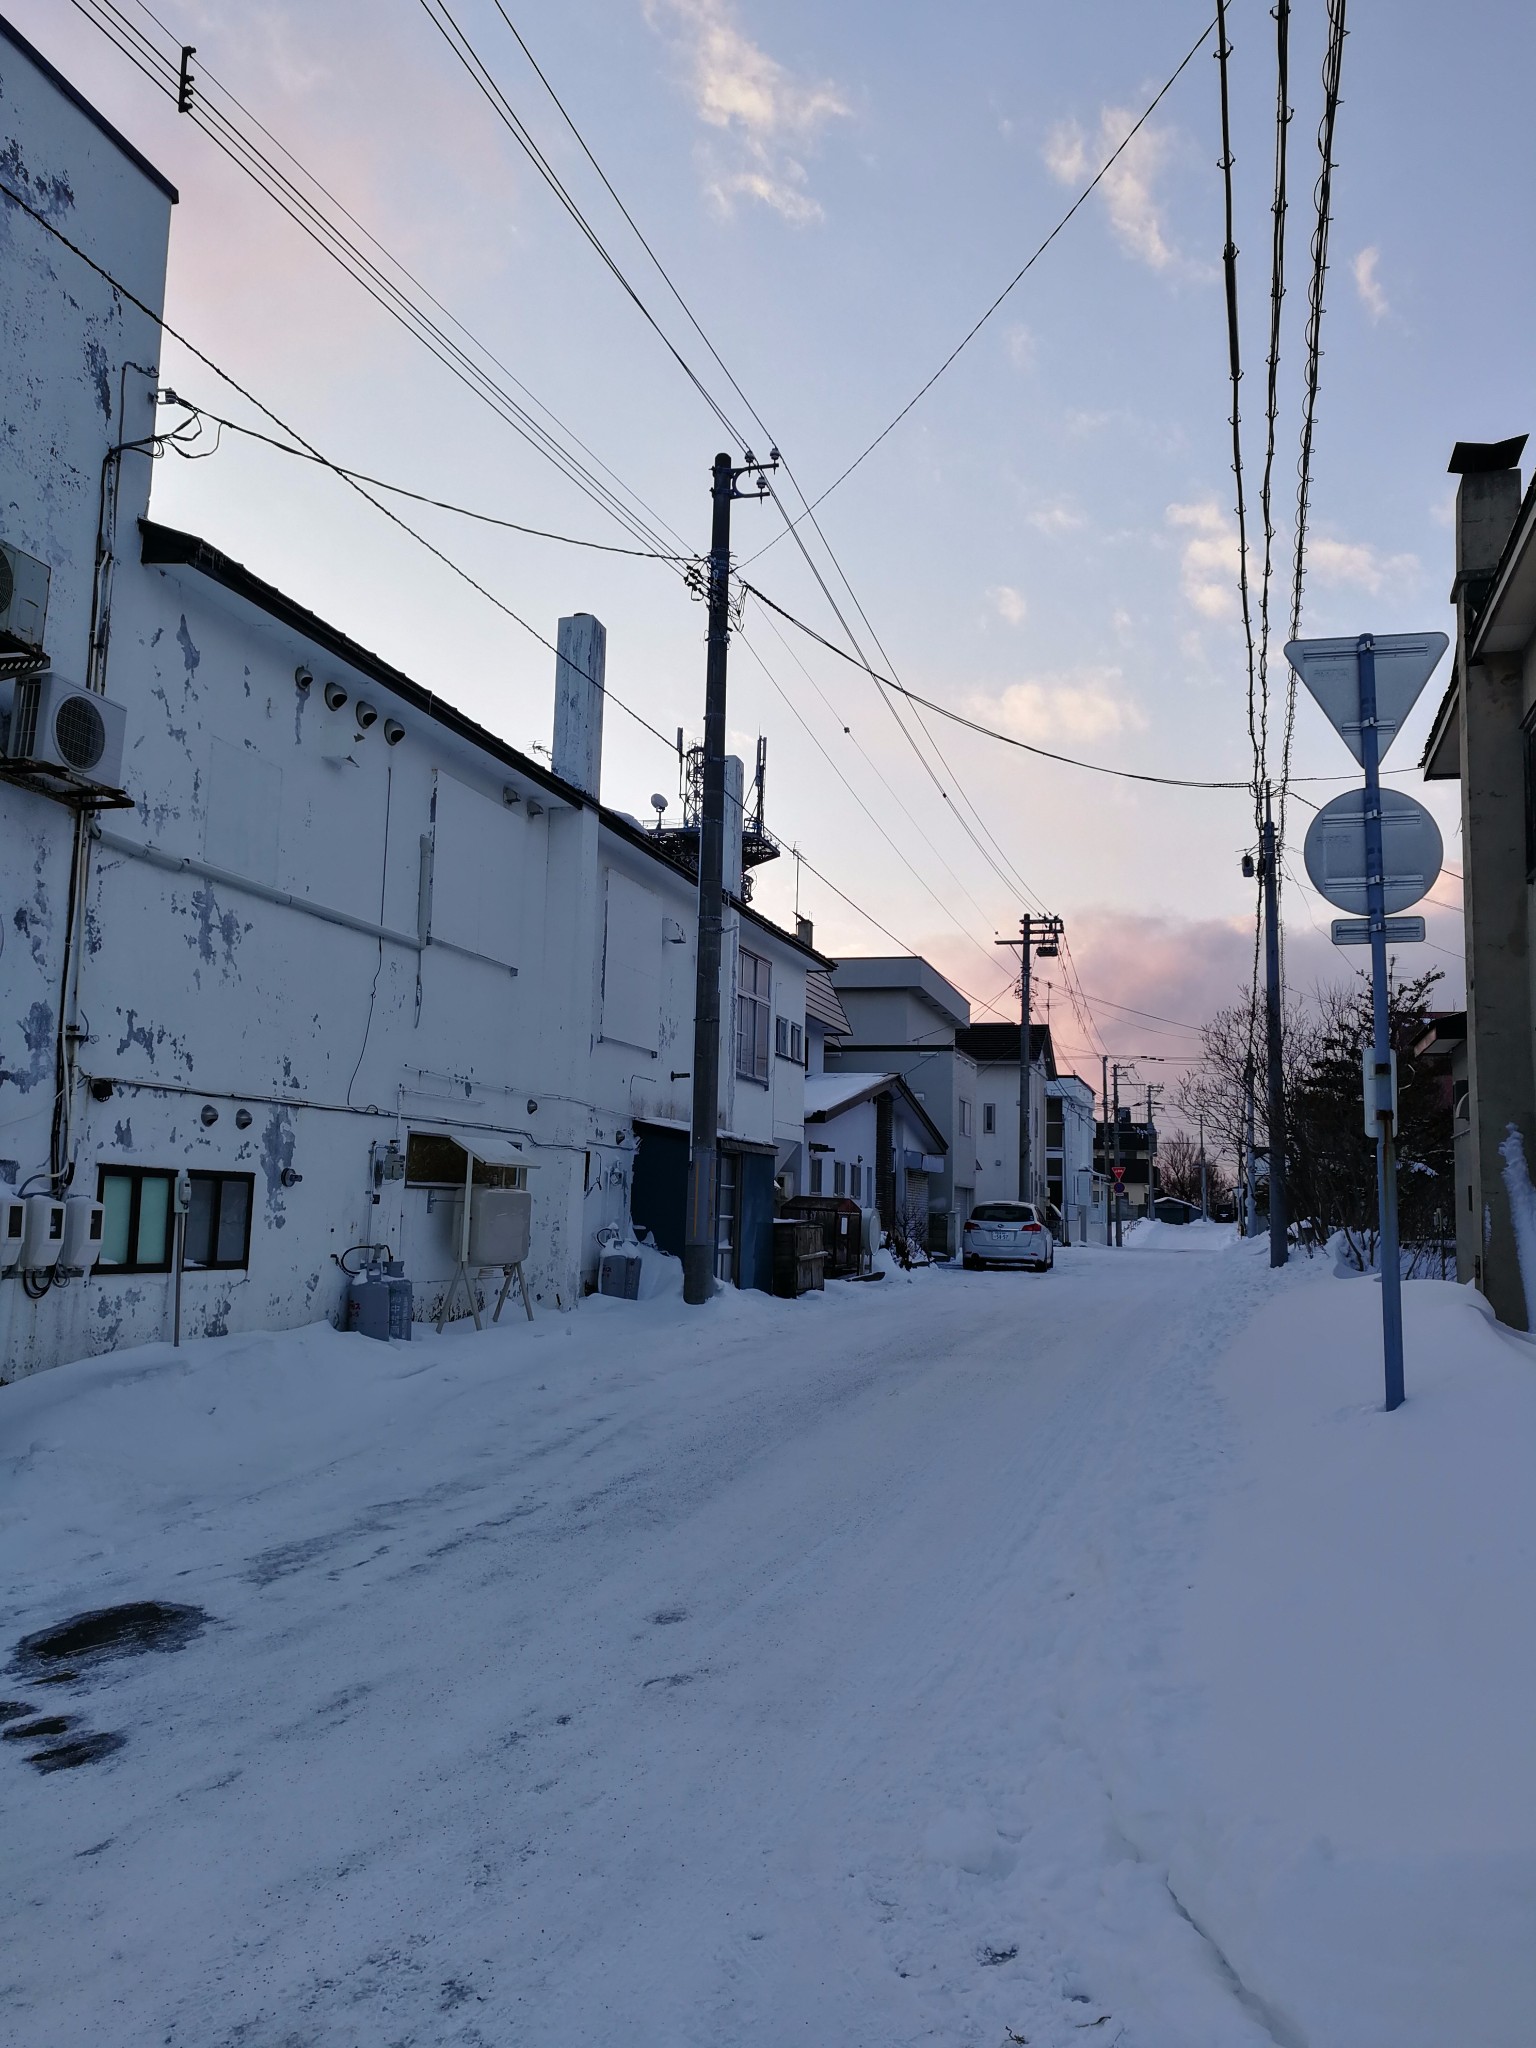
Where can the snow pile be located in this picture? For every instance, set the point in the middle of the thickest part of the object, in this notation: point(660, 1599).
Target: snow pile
point(1349, 1811)
point(1149, 1235)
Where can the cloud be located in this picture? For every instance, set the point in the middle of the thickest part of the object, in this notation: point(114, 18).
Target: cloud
point(764, 110)
point(1075, 704)
point(1135, 214)
point(1358, 564)
point(1209, 563)
point(1008, 604)
point(1056, 519)
point(1021, 348)
point(1372, 297)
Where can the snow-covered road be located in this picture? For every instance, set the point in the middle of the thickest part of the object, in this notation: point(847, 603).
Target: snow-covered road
point(763, 1675)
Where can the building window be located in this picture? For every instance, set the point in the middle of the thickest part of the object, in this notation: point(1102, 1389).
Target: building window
point(136, 1220)
point(753, 1012)
point(816, 1173)
point(989, 1119)
point(965, 1118)
point(138, 1223)
point(219, 1221)
point(856, 1182)
point(839, 1178)
point(789, 1039)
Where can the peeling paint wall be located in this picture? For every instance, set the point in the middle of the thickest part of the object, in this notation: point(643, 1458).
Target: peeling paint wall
point(255, 995)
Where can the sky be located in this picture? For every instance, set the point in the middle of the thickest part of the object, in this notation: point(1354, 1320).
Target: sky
point(1045, 543)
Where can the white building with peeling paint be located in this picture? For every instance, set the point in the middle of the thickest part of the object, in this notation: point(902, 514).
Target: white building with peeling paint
point(338, 941)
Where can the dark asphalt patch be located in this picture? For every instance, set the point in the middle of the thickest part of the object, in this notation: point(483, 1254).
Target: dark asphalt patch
point(103, 1633)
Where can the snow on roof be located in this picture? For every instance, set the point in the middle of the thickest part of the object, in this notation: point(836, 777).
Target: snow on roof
point(826, 1094)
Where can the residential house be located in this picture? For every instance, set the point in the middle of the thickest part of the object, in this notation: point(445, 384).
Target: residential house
point(1077, 1193)
point(995, 1050)
point(869, 1140)
point(905, 1019)
point(1484, 737)
point(1134, 1149)
point(304, 932)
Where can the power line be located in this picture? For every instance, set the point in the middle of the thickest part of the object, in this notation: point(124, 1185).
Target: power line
point(162, 71)
point(1007, 739)
point(420, 498)
point(267, 412)
point(965, 341)
point(1332, 64)
point(1235, 370)
point(1282, 13)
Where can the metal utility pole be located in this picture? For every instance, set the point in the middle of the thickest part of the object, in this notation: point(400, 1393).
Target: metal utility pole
point(1278, 1218)
point(1046, 933)
point(699, 1240)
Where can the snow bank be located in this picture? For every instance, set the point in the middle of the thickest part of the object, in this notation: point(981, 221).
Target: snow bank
point(1356, 1782)
point(1148, 1235)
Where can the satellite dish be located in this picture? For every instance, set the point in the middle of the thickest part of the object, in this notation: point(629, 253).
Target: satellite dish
point(658, 805)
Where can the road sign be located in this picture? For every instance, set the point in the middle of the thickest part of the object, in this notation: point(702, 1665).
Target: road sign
point(1411, 851)
point(1356, 931)
point(1329, 668)
point(1118, 1172)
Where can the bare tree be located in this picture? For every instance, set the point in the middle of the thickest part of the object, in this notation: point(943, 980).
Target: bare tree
point(907, 1237)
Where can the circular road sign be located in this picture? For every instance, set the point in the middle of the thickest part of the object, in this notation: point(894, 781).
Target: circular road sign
point(1411, 850)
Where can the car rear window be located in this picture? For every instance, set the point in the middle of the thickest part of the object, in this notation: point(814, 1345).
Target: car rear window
point(1004, 1212)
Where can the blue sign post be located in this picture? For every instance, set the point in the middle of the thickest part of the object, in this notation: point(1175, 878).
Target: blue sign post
point(1385, 1114)
point(1347, 858)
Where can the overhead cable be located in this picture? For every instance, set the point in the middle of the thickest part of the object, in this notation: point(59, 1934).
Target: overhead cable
point(555, 442)
point(1332, 64)
point(1007, 739)
point(1018, 277)
point(1235, 372)
point(419, 497)
point(266, 411)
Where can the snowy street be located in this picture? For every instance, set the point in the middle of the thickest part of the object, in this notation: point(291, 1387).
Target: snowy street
point(786, 1672)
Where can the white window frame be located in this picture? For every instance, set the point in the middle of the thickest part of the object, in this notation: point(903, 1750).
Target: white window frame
point(754, 1012)
point(789, 1040)
point(965, 1116)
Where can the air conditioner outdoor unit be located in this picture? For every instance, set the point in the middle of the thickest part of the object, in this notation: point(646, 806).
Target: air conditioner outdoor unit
point(59, 724)
point(23, 597)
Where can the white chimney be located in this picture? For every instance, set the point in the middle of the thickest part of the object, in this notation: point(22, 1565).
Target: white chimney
point(578, 751)
point(735, 788)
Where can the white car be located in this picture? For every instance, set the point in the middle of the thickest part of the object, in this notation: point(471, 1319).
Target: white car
point(1007, 1234)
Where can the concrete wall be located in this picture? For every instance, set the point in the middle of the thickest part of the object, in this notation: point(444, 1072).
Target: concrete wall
point(1496, 897)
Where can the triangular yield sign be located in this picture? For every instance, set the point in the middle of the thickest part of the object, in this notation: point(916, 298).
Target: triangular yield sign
point(1404, 664)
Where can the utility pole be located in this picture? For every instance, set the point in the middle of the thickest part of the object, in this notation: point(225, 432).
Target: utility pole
point(1278, 1218)
point(1104, 1078)
point(1151, 1158)
point(1250, 1169)
point(699, 1240)
point(1046, 932)
point(1115, 1126)
point(1205, 1199)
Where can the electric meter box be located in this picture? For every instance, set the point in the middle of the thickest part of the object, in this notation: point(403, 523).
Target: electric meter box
point(42, 1237)
point(83, 1220)
point(13, 1226)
